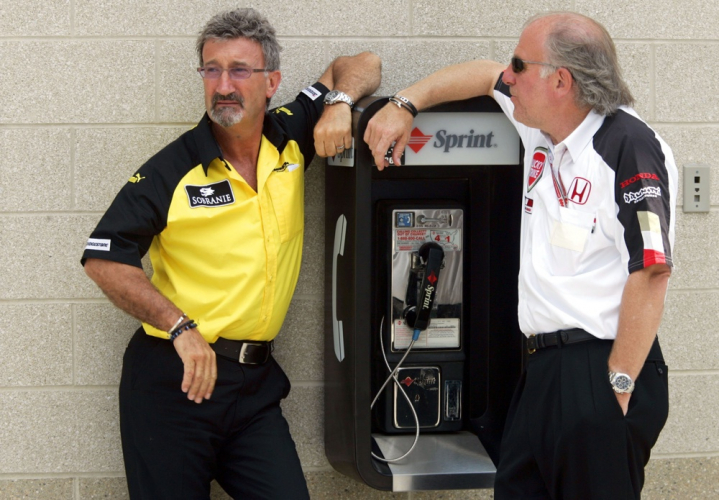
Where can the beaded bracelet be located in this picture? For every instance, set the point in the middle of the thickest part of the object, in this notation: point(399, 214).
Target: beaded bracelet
point(187, 325)
point(177, 323)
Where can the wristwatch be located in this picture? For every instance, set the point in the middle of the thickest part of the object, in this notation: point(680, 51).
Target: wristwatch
point(621, 383)
point(335, 96)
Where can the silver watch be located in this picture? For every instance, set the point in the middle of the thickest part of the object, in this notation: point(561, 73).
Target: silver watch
point(335, 96)
point(621, 383)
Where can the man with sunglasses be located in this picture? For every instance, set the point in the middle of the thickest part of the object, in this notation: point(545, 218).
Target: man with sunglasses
point(596, 254)
point(221, 211)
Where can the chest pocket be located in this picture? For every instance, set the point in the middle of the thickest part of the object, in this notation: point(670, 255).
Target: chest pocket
point(568, 240)
point(287, 190)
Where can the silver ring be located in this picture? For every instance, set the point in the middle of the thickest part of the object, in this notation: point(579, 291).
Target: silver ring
point(340, 148)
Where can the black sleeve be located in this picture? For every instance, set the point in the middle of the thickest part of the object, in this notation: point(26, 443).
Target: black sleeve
point(642, 188)
point(138, 213)
point(299, 117)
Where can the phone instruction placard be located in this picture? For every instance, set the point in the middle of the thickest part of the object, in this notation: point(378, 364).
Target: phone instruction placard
point(442, 333)
point(409, 240)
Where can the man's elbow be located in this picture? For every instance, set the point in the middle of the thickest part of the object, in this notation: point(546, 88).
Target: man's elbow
point(91, 268)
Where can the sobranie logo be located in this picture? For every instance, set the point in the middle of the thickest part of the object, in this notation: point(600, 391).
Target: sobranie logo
point(210, 195)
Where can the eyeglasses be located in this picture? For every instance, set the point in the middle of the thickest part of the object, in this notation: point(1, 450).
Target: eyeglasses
point(214, 73)
point(518, 65)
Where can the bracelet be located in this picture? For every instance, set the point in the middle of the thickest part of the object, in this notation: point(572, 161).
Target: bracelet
point(408, 105)
point(400, 105)
point(177, 323)
point(187, 325)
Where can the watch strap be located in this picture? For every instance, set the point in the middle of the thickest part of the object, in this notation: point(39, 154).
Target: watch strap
point(335, 96)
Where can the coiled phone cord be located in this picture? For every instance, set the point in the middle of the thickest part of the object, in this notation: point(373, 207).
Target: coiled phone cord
point(393, 376)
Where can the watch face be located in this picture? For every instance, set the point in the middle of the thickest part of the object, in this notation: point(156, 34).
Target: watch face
point(331, 96)
point(622, 382)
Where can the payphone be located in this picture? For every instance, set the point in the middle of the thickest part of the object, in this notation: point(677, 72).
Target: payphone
point(422, 348)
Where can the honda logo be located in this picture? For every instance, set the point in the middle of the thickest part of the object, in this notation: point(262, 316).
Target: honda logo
point(579, 191)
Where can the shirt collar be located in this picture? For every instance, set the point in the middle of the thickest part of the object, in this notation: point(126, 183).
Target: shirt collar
point(208, 150)
point(582, 136)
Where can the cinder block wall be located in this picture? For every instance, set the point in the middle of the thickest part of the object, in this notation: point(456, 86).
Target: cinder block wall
point(89, 89)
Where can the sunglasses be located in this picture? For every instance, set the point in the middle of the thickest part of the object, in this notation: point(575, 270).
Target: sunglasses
point(519, 65)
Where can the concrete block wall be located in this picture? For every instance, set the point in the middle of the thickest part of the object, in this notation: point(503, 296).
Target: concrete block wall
point(89, 89)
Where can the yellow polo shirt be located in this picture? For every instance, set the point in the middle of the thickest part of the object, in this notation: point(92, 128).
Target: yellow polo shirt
point(228, 256)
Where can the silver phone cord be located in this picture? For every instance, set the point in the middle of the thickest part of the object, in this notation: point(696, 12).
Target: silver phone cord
point(393, 376)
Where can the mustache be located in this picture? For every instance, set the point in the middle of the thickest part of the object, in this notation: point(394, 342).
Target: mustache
point(234, 96)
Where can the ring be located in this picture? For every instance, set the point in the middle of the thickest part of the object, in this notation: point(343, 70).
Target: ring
point(340, 148)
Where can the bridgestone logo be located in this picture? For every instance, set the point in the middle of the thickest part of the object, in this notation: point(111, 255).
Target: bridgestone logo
point(645, 192)
point(96, 244)
point(311, 92)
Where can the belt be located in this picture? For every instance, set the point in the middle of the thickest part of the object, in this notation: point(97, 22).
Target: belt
point(247, 352)
point(557, 339)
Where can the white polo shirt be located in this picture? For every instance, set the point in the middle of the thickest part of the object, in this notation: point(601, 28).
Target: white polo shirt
point(617, 180)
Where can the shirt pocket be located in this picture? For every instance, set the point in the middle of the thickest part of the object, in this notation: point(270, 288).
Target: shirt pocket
point(568, 240)
point(288, 198)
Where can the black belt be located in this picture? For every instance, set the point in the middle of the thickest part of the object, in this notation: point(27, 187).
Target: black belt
point(557, 339)
point(247, 352)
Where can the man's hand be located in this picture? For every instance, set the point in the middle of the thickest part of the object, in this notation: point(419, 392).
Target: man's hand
point(333, 132)
point(390, 125)
point(200, 365)
point(623, 400)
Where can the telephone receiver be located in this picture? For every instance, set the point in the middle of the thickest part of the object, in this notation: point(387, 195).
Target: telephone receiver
point(432, 256)
point(339, 249)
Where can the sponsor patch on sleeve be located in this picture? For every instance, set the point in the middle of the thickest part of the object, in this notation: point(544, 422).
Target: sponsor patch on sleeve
point(311, 92)
point(652, 236)
point(98, 244)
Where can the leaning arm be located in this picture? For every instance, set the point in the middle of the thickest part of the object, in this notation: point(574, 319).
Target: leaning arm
point(639, 316)
point(453, 83)
point(129, 289)
point(356, 76)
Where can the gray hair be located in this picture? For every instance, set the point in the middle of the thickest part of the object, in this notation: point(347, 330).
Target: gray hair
point(584, 47)
point(243, 23)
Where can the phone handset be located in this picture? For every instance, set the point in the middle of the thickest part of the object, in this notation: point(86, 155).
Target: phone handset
point(339, 249)
point(417, 317)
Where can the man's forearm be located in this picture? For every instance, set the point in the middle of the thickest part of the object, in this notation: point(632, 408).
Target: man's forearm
point(356, 76)
point(130, 290)
point(639, 317)
point(454, 83)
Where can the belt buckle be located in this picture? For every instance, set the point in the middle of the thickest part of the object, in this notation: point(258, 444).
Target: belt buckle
point(530, 350)
point(244, 353)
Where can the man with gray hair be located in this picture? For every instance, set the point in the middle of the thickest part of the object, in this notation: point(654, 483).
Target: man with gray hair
point(596, 254)
point(221, 211)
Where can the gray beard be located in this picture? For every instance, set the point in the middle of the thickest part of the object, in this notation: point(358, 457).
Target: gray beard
point(225, 117)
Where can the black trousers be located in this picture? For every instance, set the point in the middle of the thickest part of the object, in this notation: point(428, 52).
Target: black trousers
point(173, 448)
point(566, 436)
